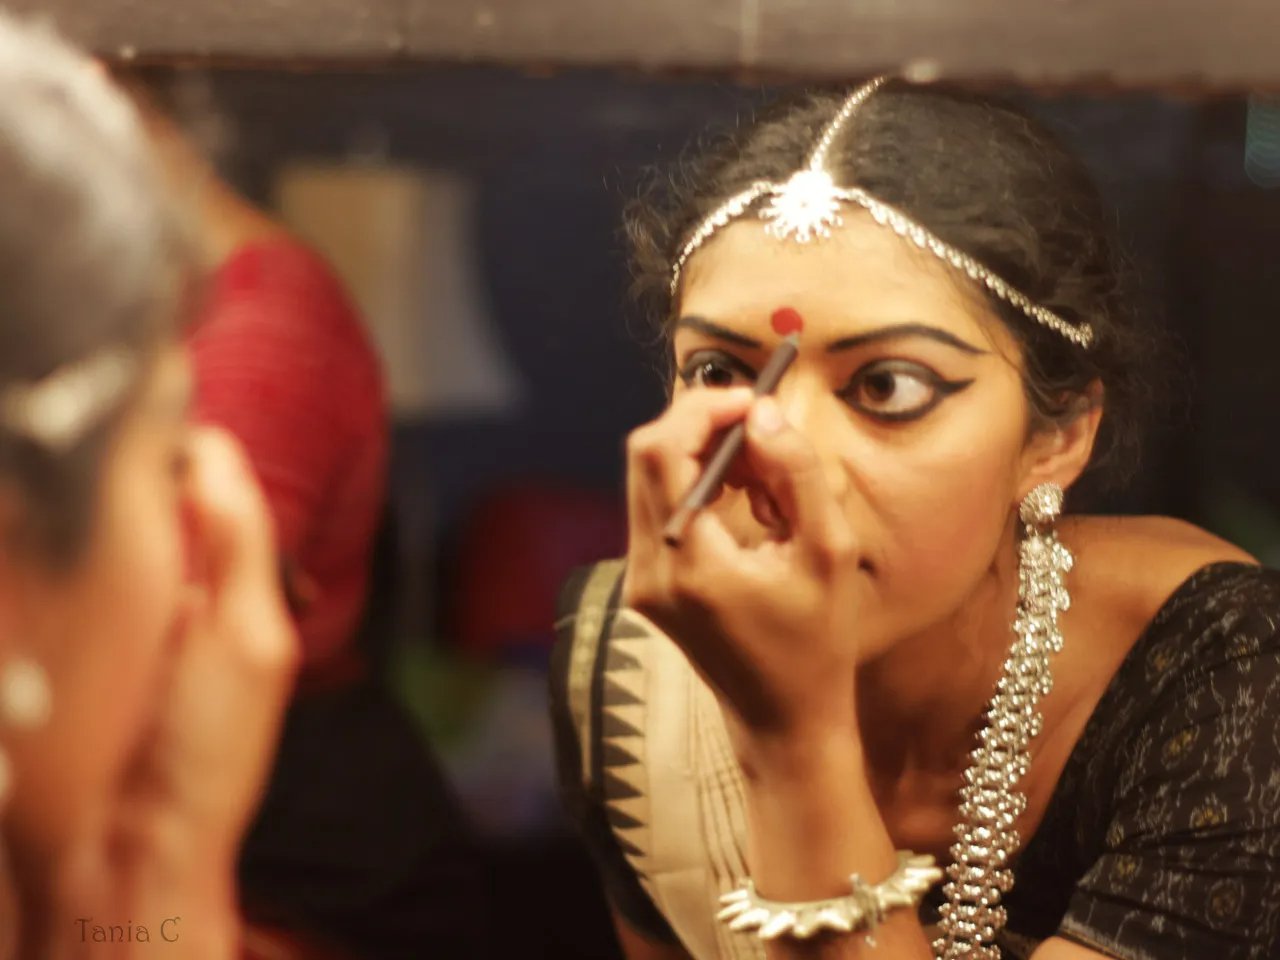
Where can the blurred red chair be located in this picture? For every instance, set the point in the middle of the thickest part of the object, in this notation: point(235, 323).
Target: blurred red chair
point(514, 552)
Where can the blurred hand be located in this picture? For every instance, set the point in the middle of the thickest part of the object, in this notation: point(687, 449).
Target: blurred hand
point(170, 845)
point(236, 658)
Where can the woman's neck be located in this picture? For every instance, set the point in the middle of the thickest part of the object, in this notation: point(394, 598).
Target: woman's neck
point(922, 702)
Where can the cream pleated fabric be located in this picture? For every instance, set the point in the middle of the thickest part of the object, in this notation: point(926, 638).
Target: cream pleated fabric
point(672, 788)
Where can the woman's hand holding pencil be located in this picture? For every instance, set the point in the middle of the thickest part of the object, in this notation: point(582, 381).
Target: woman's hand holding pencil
point(771, 623)
point(703, 491)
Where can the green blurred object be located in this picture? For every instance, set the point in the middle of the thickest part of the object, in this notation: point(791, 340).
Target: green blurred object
point(1244, 519)
point(490, 726)
point(444, 693)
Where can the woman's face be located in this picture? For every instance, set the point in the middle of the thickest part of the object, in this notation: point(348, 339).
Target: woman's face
point(912, 398)
point(104, 628)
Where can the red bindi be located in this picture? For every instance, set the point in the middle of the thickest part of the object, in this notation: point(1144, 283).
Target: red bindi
point(786, 321)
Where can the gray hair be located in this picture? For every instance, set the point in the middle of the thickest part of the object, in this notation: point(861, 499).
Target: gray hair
point(93, 257)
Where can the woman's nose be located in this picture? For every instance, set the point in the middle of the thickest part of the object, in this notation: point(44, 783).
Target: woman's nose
point(821, 418)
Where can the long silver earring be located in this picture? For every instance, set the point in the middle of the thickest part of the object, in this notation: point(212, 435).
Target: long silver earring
point(1042, 506)
point(991, 801)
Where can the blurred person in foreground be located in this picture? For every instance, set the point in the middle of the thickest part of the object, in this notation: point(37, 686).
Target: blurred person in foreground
point(359, 839)
point(145, 647)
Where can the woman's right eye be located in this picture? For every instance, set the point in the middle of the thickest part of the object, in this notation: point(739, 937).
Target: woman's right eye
point(716, 370)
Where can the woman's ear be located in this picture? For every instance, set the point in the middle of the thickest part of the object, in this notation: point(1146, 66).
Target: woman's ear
point(1058, 453)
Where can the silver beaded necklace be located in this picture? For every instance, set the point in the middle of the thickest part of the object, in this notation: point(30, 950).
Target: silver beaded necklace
point(991, 802)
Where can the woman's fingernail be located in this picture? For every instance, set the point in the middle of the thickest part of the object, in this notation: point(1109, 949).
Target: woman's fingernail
point(767, 416)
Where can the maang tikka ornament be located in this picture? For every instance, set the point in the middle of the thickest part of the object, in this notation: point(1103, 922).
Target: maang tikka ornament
point(806, 208)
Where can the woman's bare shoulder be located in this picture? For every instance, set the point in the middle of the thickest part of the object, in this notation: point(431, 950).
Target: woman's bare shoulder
point(1134, 563)
point(1126, 570)
point(1164, 540)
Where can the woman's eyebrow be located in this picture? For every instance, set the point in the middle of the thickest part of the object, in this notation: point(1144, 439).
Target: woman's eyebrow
point(892, 332)
point(712, 329)
point(900, 330)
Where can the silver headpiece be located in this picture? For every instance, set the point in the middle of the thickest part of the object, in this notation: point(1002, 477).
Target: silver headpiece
point(60, 408)
point(807, 207)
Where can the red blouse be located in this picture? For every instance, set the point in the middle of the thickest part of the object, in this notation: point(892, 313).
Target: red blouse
point(282, 360)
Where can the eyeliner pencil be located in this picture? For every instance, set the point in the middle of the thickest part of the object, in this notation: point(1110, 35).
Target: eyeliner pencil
point(713, 473)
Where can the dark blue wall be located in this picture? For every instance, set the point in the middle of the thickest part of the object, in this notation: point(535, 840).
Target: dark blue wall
point(559, 155)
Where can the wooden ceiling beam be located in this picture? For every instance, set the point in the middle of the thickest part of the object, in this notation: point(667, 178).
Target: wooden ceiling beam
point(1197, 45)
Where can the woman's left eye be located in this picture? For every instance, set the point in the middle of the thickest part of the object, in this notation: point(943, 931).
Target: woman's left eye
point(898, 390)
point(711, 368)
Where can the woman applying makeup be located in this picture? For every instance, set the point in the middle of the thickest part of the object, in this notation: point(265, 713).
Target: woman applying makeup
point(882, 647)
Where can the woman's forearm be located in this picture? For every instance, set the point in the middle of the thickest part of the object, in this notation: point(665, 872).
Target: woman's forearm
point(188, 895)
point(149, 898)
point(812, 823)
